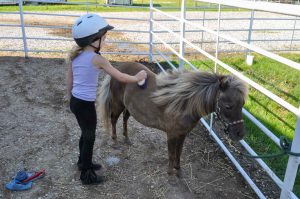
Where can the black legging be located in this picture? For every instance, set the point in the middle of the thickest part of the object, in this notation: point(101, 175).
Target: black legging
point(85, 113)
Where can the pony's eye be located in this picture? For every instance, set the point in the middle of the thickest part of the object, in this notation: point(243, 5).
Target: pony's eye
point(228, 107)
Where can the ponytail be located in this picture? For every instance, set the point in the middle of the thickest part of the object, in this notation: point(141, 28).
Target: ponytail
point(73, 53)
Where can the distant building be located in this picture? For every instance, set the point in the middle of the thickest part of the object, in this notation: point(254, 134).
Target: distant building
point(282, 1)
point(16, 2)
point(9, 2)
point(119, 2)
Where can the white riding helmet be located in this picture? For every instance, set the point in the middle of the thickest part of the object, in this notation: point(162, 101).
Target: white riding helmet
point(88, 27)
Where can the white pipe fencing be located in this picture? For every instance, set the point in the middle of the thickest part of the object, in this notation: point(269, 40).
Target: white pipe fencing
point(23, 28)
point(274, 44)
point(293, 163)
point(29, 40)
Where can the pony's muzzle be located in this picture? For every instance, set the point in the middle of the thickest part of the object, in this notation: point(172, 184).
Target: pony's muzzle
point(236, 132)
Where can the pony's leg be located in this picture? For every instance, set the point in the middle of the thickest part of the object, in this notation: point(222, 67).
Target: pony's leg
point(172, 154)
point(116, 111)
point(179, 146)
point(126, 116)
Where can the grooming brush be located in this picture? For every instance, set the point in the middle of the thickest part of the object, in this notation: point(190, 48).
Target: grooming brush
point(142, 84)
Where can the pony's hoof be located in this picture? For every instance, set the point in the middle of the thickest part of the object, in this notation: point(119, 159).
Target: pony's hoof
point(172, 172)
point(127, 141)
point(178, 173)
point(116, 146)
point(173, 180)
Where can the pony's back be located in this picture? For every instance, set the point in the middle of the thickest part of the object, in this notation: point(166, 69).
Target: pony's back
point(138, 101)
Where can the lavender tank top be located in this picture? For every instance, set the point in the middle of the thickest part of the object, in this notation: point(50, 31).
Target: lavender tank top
point(85, 76)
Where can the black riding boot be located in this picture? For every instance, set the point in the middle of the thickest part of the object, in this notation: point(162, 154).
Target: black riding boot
point(95, 166)
point(88, 175)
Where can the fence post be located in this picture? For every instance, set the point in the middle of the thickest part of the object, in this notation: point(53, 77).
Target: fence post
point(86, 6)
point(293, 164)
point(203, 23)
point(216, 55)
point(250, 31)
point(23, 28)
point(182, 33)
point(293, 33)
point(150, 32)
point(218, 38)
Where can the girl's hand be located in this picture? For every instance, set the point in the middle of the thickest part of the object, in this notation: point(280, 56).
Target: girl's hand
point(141, 75)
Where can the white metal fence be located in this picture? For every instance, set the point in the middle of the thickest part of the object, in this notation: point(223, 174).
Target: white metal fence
point(293, 163)
point(157, 47)
point(34, 32)
point(271, 32)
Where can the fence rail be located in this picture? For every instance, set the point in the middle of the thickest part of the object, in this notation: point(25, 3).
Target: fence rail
point(291, 34)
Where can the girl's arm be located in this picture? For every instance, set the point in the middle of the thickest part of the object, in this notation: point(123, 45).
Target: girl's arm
point(69, 80)
point(103, 63)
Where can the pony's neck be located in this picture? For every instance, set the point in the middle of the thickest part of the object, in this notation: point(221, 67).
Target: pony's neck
point(212, 104)
point(188, 94)
point(208, 95)
point(211, 107)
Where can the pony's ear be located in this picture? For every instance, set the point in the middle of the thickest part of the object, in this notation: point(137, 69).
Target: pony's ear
point(223, 83)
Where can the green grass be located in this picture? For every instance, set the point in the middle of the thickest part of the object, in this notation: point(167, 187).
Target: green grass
point(175, 4)
point(282, 81)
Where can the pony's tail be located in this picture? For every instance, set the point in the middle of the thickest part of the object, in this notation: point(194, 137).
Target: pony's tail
point(104, 103)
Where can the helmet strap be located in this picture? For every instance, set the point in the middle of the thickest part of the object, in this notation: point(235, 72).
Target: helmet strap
point(97, 49)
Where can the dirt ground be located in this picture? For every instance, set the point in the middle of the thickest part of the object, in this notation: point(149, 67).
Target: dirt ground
point(37, 130)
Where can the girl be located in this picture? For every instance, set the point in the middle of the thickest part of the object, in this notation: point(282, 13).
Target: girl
point(89, 32)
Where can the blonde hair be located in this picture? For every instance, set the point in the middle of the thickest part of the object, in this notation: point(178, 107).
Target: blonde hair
point(73, 53)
